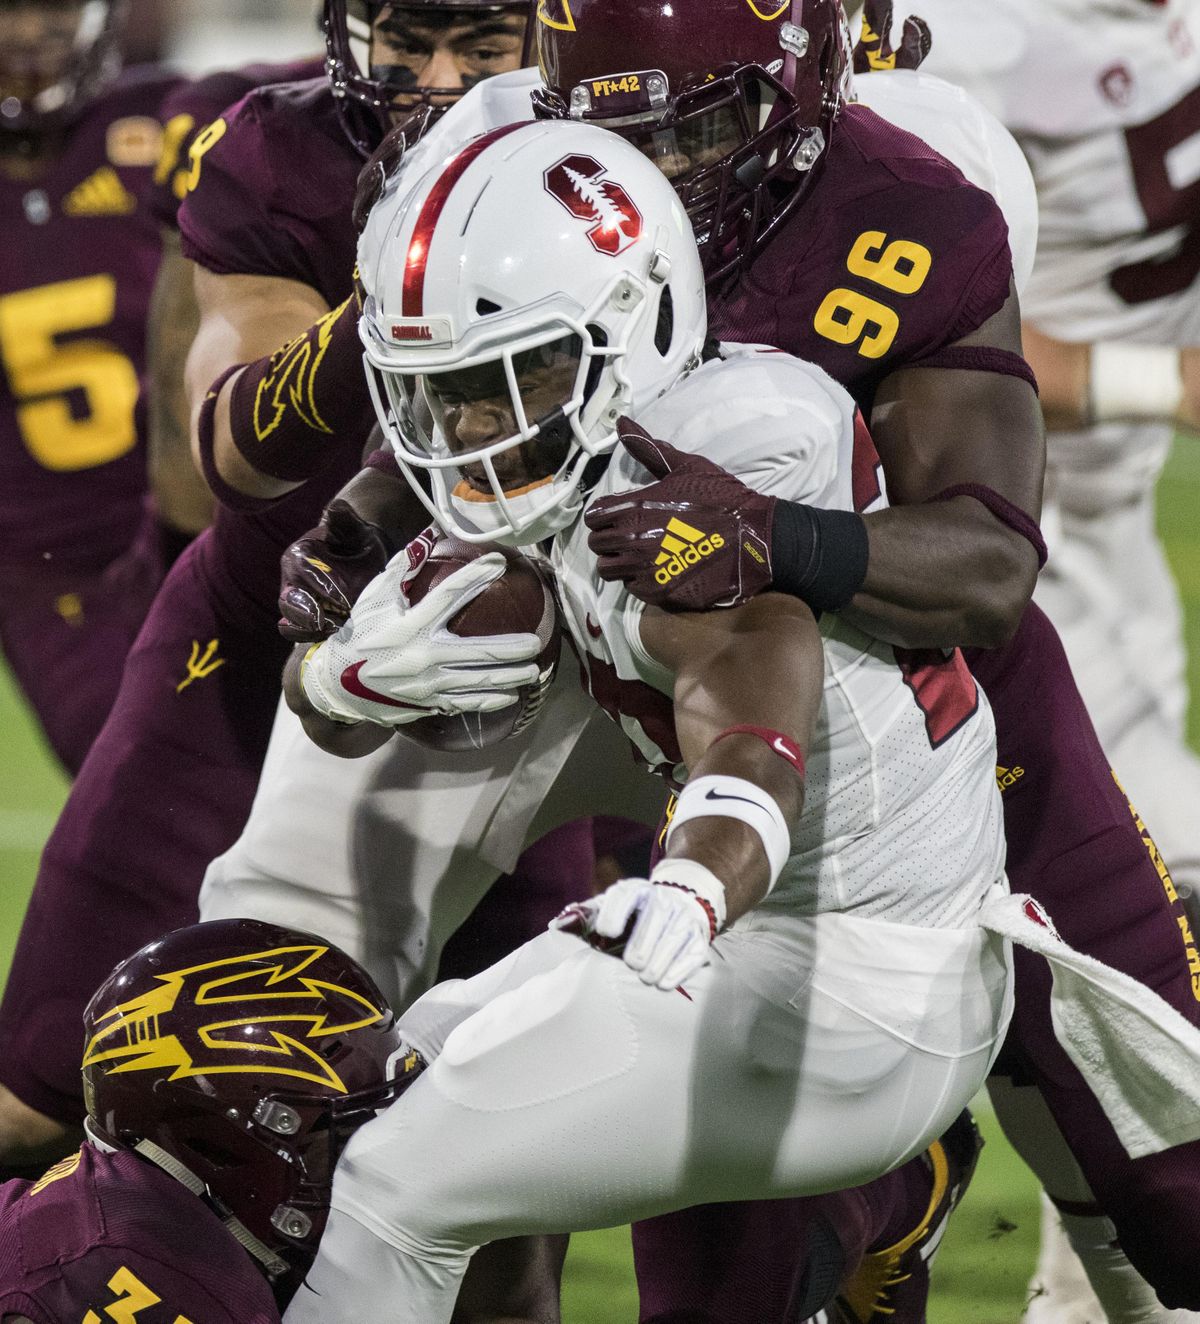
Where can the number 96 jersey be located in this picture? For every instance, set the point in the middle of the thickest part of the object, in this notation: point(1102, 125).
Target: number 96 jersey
point(1105, 101)
point(80, 256)
point(902, 816)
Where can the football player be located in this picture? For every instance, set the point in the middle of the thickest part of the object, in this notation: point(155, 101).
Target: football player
point(955, 559)
point(679, 1048)
point(601, 311)
point(174, 772)
point(962, 602)
point(78, 144)
point(1109, 318)
point(225, 1066)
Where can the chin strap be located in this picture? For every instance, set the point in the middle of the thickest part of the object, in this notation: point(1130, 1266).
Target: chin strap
point(271, 1262)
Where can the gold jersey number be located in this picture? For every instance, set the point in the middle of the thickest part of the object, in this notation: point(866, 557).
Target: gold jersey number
point(132, 1296)
point(849, 317)
point(44, 373)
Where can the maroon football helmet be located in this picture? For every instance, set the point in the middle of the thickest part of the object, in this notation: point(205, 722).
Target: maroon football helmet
point(54, 58)
point(240, 1057)
point(735, 99)
point(370, 99)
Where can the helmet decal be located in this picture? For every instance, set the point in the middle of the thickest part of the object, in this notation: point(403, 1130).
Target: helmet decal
point(413, 303)
point(556, 14)
point(768, 18)
point(133, 1036)
point(578, 183)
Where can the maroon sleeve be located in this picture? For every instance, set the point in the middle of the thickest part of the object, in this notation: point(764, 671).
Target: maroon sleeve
point(194, 105)
point(272, 191)
point(228, 220)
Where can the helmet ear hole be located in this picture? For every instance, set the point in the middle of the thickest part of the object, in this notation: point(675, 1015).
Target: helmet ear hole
point(485, 307)
point(664, 332)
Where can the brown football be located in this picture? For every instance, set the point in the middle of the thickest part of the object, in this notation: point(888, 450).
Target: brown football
point(521, 601)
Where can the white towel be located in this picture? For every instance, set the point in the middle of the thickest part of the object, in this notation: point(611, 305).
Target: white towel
point(1139, 1056)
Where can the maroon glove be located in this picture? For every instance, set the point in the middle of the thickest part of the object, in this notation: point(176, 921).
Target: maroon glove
point(322, 574)
point(697, 538)
point(874, 49)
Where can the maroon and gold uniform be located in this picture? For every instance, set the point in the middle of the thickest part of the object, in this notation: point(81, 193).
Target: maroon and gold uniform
point(107, 1236)
point(81, 252)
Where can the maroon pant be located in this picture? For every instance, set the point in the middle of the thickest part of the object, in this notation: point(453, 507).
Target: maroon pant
point(1075, 845)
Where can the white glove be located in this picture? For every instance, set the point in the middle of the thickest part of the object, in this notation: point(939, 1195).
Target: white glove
point(675, 915)
point(392, 663)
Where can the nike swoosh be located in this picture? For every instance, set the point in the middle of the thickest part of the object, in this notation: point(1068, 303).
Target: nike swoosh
point(780, 748)
point(714, 795)
point(592, 628)
point(353, 685)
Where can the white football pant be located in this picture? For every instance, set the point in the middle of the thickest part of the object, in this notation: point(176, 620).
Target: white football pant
point(812, 1054)
point(388, 854)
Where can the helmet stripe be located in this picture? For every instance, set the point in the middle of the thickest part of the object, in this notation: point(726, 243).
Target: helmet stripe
point(413, 300)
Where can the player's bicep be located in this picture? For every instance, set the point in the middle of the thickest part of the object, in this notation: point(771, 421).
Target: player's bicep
point(936, 427)
point(760, 664)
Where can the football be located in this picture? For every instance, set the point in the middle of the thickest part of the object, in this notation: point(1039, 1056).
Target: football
point(521, 601)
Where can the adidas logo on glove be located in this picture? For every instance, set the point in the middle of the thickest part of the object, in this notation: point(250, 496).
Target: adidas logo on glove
point(682, 548)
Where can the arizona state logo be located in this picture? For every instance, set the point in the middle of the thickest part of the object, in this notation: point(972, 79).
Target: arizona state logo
point(268, 988)
point(291, 380)
point(682, 548)
point(578, 183)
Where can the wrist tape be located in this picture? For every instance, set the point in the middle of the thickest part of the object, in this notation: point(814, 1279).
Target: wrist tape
point(290, 413)
point(818, 556)
point(717, 796)
point(1134, 382)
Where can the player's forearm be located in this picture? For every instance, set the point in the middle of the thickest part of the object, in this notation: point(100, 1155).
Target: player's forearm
point(345, 740)
point(182, 496)
point(760, 665)
point(1083, 384)
point(248, 325)
point(944, 575)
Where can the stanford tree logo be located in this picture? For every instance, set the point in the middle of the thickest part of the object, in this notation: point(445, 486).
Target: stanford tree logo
point(578, 183)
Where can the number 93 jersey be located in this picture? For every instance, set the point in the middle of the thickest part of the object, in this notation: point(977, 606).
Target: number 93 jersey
point(902, 816)
point(1104, 98)
point(81, 252)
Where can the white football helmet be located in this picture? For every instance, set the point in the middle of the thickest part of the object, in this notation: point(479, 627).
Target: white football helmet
point(521, 295)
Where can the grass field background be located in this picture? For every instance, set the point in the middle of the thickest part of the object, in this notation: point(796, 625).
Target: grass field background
point(981, 1273)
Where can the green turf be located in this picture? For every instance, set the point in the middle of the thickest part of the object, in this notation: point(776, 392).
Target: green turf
point(985, 1264)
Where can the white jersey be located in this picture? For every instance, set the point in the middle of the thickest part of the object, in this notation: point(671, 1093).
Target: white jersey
point(1104, 99)
point(902, 816)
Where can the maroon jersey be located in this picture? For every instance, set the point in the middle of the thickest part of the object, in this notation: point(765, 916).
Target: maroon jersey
point(192, 107)
point(892, 256)
point(80, 254)
point(110, 1236)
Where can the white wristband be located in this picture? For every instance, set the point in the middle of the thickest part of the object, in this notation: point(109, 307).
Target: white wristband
point(717, 796)
point(696, 878)
point(1134, 382)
